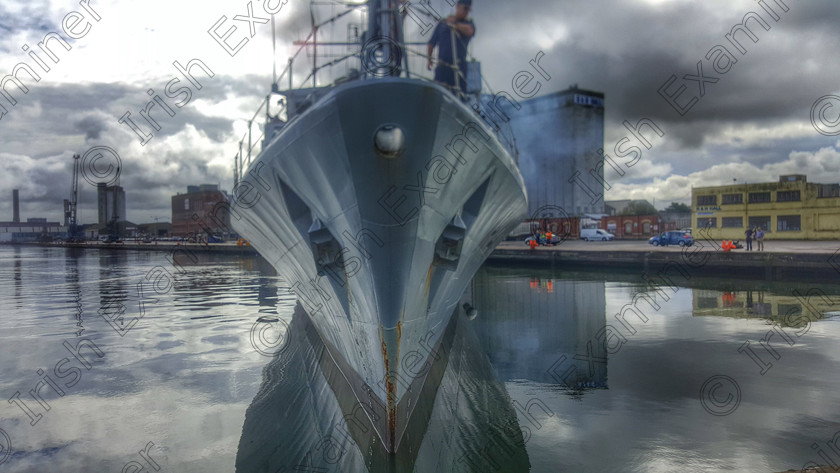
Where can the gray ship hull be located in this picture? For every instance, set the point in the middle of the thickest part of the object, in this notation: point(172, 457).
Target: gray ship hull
point(380, 239)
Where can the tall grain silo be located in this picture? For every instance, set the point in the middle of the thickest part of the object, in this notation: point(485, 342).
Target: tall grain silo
point(558, 135)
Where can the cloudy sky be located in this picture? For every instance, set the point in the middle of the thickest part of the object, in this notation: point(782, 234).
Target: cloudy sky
point(752, 123)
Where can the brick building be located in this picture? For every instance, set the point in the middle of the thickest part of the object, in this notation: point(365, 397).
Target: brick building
point(200, 212)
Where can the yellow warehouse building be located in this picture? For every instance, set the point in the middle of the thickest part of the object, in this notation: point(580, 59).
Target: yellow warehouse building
point(791, 209)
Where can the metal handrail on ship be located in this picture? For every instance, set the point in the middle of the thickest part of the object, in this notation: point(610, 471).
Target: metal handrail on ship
point(242, 160)
point(504, 132)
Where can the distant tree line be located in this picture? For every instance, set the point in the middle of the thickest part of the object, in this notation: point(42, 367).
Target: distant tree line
point(678, 208)
point(640, 207)
point(643, 207)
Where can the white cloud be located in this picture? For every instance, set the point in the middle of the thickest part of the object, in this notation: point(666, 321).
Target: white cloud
point(644, 169)
point(822, 166)
point(748, 135)
point(625, 49)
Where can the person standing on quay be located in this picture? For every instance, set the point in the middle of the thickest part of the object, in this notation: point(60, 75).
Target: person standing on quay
point(759, 237)
point(749, 234)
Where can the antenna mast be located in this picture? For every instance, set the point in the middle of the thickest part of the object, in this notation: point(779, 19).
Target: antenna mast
point(273, 55)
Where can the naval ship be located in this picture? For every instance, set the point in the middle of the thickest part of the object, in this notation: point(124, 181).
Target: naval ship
point(377, 198)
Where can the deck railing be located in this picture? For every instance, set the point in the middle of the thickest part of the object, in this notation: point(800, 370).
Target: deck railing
point(372, 65)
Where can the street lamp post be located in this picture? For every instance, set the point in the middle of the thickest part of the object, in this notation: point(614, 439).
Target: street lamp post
point(746, 204)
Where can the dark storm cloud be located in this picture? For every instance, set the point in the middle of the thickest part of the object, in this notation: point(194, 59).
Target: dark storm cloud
point(629, 50)
point(26, 17)
point(91, 126)
point(151, 184)
point(82, 112)
point(80, 116)
point(625, 49)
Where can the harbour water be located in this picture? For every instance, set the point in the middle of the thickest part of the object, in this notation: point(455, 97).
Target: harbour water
point(130, 361)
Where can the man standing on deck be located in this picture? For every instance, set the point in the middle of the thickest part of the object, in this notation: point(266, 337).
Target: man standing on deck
point(464, 30)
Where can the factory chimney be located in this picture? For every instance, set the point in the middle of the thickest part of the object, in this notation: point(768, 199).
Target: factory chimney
point(15, 206)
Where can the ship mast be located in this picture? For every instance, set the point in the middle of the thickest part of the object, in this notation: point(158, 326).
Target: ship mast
point(385, 33)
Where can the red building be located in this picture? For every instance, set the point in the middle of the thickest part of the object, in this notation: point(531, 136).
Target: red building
point(200, 211)
point(634, 227)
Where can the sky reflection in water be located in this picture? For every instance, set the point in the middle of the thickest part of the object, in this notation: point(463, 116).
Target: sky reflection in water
point(185, 375)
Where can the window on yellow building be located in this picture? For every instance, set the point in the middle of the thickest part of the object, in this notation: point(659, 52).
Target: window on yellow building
point(706, 222)
point(706, 200)
point(732, 199)
point(732, 222)
point(788, 223)
point(759, 197)
point(828, 190)
point(761, 222)
point(787, 196)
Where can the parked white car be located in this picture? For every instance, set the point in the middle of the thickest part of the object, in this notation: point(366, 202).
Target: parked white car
point(596, 234)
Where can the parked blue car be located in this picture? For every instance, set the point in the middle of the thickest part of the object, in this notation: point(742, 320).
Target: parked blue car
point(672, 238)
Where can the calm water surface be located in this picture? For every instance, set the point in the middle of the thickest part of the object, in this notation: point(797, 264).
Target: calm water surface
point(171, 358)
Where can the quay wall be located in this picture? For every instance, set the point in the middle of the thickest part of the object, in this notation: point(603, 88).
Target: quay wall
point(679, 266)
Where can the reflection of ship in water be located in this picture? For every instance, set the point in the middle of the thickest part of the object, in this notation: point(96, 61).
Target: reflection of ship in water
point(790, 310)
point(308, 416)
point(540, 328)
